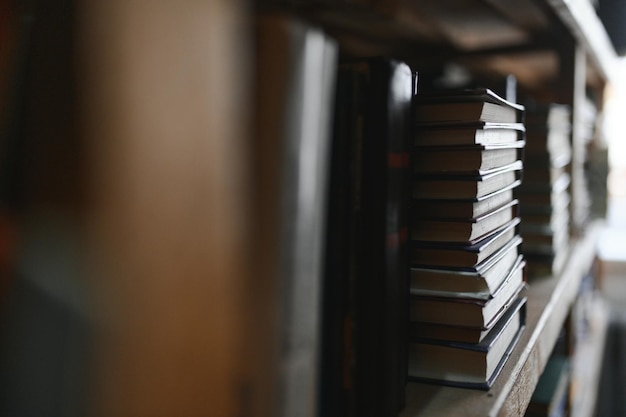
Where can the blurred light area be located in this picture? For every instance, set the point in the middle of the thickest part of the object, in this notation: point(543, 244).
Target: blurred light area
point(612, 244)
point(614, 114)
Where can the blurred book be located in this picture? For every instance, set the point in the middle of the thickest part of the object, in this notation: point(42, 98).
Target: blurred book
point(367, 273)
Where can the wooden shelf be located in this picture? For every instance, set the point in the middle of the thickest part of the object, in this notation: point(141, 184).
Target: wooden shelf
point(443, 29)
point(549, 302)
point(585, 25)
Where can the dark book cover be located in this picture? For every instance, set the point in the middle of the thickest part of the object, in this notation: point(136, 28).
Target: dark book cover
point(382, 269)
point(366, 296)
point(462, 231)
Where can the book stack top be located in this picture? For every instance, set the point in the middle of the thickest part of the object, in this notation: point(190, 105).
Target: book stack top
point(467, 271)
point(544, 196)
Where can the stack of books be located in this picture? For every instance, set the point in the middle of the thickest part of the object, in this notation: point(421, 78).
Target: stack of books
point(583, 137)
point(467, 273)
point(544, 195)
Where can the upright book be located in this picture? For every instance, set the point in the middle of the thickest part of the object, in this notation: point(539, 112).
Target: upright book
point(296, 69)
point(368, 272)
point(477, 282)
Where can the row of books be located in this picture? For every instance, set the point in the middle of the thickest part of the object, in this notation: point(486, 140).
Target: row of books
point(467, 273)
point(544, 195)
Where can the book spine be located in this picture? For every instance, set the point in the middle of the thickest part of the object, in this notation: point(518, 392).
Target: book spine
point(297, 66)
point(338, 355)
point(383, 255)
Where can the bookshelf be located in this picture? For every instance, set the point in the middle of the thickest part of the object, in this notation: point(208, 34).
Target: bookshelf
point(186, 315)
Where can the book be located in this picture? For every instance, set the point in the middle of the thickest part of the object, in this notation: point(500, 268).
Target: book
point(550, 397)
point(447, 254)
point(457, 334)
point(558, 202)
point(468, 365)
point(339, 311)
point(469, 312)
point(455, 187)
point(480, 282)
point(466, 106)
point(296, 65)
point(542, 174)
point(481, 133)
point(558, 220)
point(473, 159)
point(549, 239)
point(544, 116)
point(383, 264)
point(464, 209)
point(542, 265)
point(366, 312)
point(461, 230)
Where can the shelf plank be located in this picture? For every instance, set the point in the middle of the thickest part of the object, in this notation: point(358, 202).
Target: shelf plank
point(407, 26)
point(549, 301)
point(581, 18)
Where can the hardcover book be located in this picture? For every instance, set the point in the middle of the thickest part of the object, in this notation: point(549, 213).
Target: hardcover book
point(469, 312)
point(464, 209)
point(367, 283)
point(475, 159)
point(466, 106)
point(455, 187)
point(296, 65)
point(468, 365)
point(462, 230)
point(450, 254)
point(481, 133)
